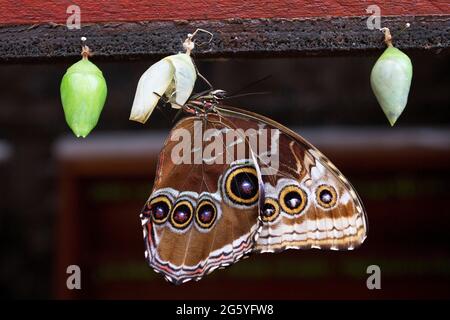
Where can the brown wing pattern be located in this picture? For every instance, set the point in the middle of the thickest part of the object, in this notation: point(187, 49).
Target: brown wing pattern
point(308, 203)
point(192, 223)
point(234, 197)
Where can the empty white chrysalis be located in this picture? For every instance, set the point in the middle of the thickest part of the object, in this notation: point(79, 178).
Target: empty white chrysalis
point(172, 77)
point(391, 79)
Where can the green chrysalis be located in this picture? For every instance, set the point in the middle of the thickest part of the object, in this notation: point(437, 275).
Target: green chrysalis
point(391, 79)
point(83, 95)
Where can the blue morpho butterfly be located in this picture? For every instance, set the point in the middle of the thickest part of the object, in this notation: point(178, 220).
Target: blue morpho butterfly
point(222, 205)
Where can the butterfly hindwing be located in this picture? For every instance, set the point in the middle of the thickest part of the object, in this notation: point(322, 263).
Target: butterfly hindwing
point(308, 203)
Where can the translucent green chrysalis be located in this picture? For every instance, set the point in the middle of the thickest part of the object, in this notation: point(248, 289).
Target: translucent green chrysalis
point(83, 95)
point(391, 79)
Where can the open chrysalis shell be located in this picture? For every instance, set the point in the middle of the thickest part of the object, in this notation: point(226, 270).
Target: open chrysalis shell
point(174, 77)
point(390, 80)
point(83, 94)
point(185, 77)
point(152, 84)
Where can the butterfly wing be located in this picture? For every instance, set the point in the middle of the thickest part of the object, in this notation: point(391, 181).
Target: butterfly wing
point(203, 211)
point(308, 203)
point(210, 208)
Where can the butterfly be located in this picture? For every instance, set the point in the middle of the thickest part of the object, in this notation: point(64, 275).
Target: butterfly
point(230, 183)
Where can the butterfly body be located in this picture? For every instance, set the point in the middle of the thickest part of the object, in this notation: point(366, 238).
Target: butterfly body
point(230, 182)
point(204, 103)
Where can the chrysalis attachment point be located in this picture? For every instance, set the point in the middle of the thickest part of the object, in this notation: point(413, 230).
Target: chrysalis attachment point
point(189, 44)
point(387, 36)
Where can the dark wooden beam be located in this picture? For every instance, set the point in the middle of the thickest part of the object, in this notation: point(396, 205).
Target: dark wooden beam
point(233, 37)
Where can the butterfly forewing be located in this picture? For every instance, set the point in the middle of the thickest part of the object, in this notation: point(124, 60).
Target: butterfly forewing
point(203, 212)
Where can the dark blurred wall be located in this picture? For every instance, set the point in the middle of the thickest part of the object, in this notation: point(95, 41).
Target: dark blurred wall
point(311, 92)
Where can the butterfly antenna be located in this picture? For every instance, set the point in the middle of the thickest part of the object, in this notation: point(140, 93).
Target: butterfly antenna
point(201, 93)
point(251, 84)
point(248, 94)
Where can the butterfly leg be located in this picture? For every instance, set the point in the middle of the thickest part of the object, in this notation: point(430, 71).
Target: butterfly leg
point(202, 77)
